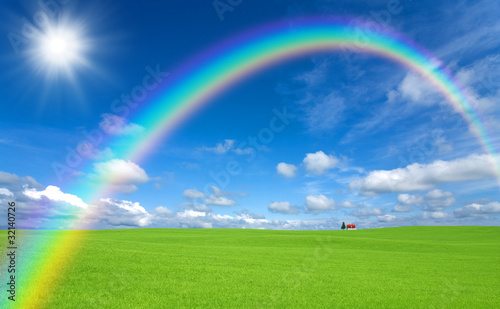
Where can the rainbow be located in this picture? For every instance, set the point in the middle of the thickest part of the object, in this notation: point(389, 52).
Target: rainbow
point(198, 81)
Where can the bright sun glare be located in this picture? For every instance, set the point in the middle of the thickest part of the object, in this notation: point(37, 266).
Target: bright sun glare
point(60, 51)
point(61, 47)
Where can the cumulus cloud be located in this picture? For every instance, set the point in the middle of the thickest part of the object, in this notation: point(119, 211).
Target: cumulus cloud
point(162, 210)
point(53, 193)
point(407, 199)
point(40, 207)
point(287, 170)
point(196, 219)
point(197, 206)
point(116, 125)
point(106, 212)
point(51, 208)
point(6, 178)
point(434, 200)
point(475, 210)
point(367, 212)
point(347, 204)
point(120, 213)
point(436, 215)
point(216, 198)
point(10, 179)
point(220, 198)
point(111, 213)
point(193, 194)
point(220, 201)
point(405, 202)
point(386, 218)
point(319, 162)
point(401, 208)
point(246, 213)
point(437, 200)
point(6, 192)
point(283, 207)
point(120, 174)
point(416, 177)
point(319, 203)
point(218, 192)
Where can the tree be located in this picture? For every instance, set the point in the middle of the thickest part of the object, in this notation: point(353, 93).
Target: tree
point(343, 226)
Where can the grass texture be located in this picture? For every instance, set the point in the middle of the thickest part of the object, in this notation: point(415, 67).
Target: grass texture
point(406, 267)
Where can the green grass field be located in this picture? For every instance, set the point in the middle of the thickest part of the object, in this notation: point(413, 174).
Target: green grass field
point(407, 267)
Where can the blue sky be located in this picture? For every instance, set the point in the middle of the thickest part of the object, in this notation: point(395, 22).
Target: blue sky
point(353, 120)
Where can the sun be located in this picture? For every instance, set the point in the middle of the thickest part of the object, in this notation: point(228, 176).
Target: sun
point(60, 51)
point(61, 47)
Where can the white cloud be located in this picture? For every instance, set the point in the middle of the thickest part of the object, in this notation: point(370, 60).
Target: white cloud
point(226, 146)
point(53, 193)
point(111, 213)
point(435, 215)
point(367, 212)
point(104, 213)
point(10, 179)
point(417, 176)
point(283, 207)
point(193, 194)
point(196, 219)
point(6, 178)
point(434, 200)
point(287, 170)
point(197, 207)
point(220, 201)
point(319, 162)
point(437, 200)
point(115, 125)
point(221, 148)
point(131, 207)
point(246, 213)
point(124, 188)
point(401, 208)
point(216, 191)
point(6, 192)
point(121, 213)
point(474, 210)
point(415, 89)
point(347, 204)
point(217, 198)
point(407, 199)
point(386, 218)
point(319, 203)
point(120, 172)
point(104, 154)
point(162, 210)
point(191, 214)
point(243, 151)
